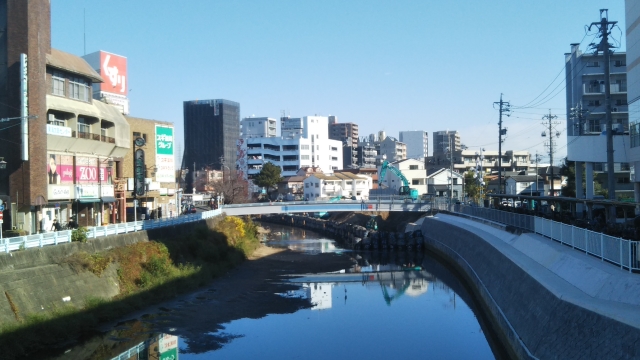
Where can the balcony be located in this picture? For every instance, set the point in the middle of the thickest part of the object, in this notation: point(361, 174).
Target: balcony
point(91, 136)
point(108, 139)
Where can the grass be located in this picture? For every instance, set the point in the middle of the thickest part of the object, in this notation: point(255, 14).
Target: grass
point(148, 272)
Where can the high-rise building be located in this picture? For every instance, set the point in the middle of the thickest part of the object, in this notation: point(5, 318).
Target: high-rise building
point(441, 143)
point(211, 132)
point(632, 15)
point(586, 113)
point(417, 142)
point(345, 132)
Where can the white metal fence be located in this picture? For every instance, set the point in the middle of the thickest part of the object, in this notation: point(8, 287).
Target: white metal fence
point(618, 251)
point(60, 237)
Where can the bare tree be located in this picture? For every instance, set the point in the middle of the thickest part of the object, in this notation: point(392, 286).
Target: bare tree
point(235, 189)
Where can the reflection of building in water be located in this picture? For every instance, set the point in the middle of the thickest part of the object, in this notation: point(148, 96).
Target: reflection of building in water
point(320, 295)
point(163, 346)
point(314, 246)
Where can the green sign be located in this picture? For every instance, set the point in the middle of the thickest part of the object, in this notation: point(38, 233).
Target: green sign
point(170, 354)
point(164, 140)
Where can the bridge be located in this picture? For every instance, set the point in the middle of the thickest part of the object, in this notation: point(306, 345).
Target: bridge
point(325, 206)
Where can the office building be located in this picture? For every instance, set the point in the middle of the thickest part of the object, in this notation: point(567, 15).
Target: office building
point(211, 132)
point(632, 11)
point(417, 142)
point(393, 149)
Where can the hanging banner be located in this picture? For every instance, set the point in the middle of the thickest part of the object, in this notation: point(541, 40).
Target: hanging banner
point(139, 172)
point(165, 160)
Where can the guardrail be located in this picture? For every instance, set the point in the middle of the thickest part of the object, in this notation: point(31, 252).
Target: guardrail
point(617, 251)
point(60, 237)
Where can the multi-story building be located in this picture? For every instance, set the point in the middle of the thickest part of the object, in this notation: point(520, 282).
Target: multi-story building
point(512, 161)
point(342, 184)
point(257, 127)
point(446, 183)
point(393, 149)
point(64, 145)
point(441, 141)
point(585, 92)
point(159, 171)
point(345, 132)
point(632, 148)
point(366, 155)
point(211, 132)
point(417, 142)
point(412, 169)
point(304, 143)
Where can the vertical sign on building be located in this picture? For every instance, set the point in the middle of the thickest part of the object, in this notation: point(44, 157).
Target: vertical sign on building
point(24, 106)
point(165, 161)
point(139, 172)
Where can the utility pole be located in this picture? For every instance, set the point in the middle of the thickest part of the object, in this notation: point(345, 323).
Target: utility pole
point(451, 170)
point(551, 124)
point(503, 108)
point(605, 26)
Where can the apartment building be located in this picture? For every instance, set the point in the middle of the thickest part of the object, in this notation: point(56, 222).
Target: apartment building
point(257, 127)
point(345, 132)
point(441, 141)
point(586, 114)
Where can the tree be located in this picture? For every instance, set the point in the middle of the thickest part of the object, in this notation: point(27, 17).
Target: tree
point(269, 177)
point(235, 189)
point(473, 188)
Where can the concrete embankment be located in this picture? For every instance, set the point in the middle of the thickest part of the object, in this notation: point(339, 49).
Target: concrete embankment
point(39, 280)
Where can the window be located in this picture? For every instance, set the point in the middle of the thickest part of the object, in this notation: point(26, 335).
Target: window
point(78, 89)
point(318, 157)
point(304, 157)
point(594, 102)
point(619, 63)
point(593, 64)
point(304, 147)
point(136, 135)
point(54, 121)
point(83, 126)
point(58, 83)
point(415, 181)
point(317, 147)
point(455, 181)
point(306, 185)
point(624, 180)
point(413, 167)
point(317, 185)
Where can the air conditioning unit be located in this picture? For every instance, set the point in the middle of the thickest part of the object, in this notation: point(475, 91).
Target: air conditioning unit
point(52, 117)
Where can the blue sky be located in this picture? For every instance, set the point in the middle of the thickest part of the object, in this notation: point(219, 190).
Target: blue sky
point(385, 65)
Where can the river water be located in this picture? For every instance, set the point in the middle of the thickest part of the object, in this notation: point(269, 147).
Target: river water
point(388, 306)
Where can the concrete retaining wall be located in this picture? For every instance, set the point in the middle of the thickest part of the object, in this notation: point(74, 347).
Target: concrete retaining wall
point(35, 280)
point(549, 327)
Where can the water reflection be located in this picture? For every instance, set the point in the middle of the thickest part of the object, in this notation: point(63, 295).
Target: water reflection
point(389, 304)
point(298, 240)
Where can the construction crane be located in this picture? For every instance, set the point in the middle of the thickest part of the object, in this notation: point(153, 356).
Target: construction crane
point(405, 190)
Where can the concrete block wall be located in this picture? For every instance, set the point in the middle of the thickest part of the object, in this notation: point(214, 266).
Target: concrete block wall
point(548, 326)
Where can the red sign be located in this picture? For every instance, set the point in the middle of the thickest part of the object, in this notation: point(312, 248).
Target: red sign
point(113, 69)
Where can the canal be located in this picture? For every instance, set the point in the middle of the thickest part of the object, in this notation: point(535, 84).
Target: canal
point(386, 305)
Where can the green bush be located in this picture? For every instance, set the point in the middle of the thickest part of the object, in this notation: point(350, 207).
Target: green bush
point(79, 234)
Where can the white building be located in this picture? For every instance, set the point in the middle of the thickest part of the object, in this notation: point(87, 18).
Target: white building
point(586, 143)
point(412, 169)
point(512, 160)
point(440, 183)
point(325, 187)
point(257, 127)
point(532, 185)
point(304, 143)
point(417, 142)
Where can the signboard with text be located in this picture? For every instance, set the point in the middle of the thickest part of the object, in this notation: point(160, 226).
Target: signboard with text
point(113, 70)
point(59, 169)
point(165, 161)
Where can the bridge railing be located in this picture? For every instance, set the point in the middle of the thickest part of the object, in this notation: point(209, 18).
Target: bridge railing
point(621, 252)
point(60, 237)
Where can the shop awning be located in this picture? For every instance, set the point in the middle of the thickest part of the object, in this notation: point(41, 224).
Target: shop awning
point(88, 200)
point(108, 199)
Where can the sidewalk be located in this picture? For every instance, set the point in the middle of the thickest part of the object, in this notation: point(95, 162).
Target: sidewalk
point(568, 273)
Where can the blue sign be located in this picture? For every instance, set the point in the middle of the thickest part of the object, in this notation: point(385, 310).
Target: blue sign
point(2, 207)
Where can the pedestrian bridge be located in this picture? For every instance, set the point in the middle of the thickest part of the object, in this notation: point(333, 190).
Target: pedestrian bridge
point(326, 206)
